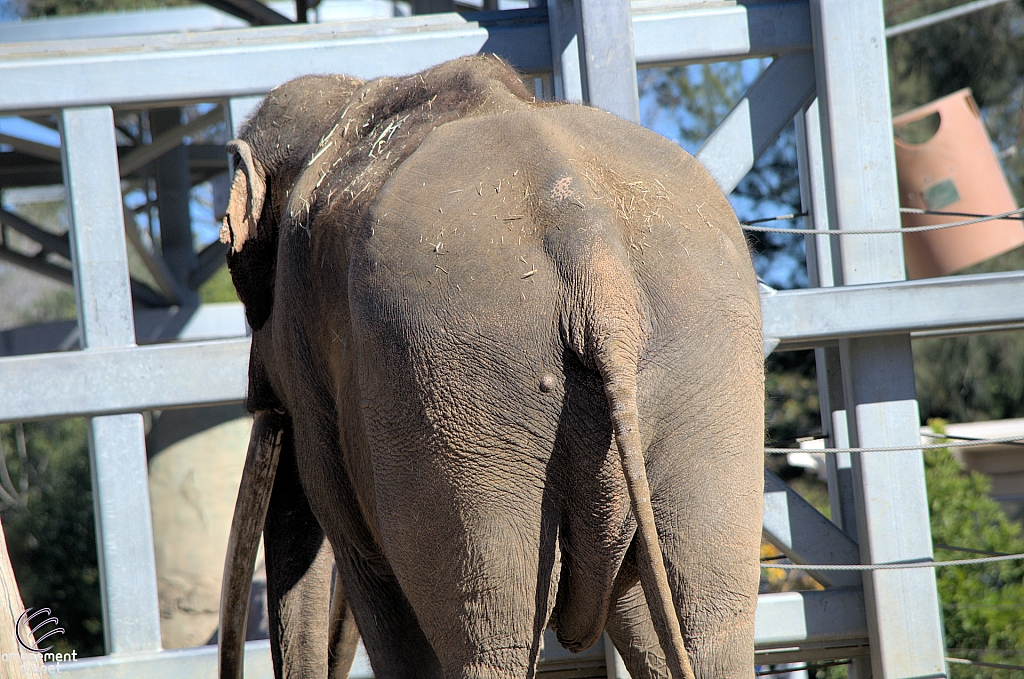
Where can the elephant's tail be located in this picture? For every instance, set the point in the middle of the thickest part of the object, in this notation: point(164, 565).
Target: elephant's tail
point(616, 361)
point(246, 526)
point(603, 323)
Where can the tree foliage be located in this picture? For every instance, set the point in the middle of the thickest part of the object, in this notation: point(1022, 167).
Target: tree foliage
point(983, 606)
point(48, 8)
point(47, 512)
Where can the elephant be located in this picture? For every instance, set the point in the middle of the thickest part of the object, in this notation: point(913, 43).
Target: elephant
point(506, 374)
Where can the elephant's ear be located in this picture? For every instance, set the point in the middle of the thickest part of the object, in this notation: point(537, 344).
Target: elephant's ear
point(248, 191)
point(252, 257)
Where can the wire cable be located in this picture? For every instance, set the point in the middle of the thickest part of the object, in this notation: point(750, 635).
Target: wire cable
point(869, 232)
point(982, 663)
point(897, 449)
point(969, 550)
point(946, 213)
point(889, 566)
point(778, 218)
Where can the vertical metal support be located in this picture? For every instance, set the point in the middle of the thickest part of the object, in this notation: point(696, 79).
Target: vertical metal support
point(117, 446)
point(607, 61)
point(238, 110)
point(821, 272)
point(173, 187)
point(904, 620)
point(614, 667)
point(565, 51)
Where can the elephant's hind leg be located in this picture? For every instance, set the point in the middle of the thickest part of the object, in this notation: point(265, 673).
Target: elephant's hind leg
point(476, 559)
point(343, 634)
point(709, 525)
point(298, 561)
point(387, 623)
point(632, 632)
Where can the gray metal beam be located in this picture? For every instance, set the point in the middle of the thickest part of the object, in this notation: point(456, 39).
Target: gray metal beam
point(565, 54)
point(819, 616)
point(819, 316)
point(789, 315)
point(253, 11)
point(31, 148)
point(117, 444)
point(37, 264)
point(49, 241)
point(194, 663)
point(904, 620)
point(784, 88)
point(804, 535)
point(718, 33)
point(173, 186)
point(604, 32)
point(123, 379)
point(258, 61)
point(819, 619)
point(142, 70)
point(223, 320)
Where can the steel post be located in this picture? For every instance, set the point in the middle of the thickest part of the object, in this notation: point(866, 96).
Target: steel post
point(565, 53)
point(820, 273)
point(117, 446)
point(173, 187)
point(604, 29)
point(904, 620)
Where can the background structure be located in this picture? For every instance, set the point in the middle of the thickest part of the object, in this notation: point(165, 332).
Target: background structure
point(859, 315)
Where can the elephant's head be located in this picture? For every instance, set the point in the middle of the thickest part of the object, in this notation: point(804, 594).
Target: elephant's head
point(273, 148)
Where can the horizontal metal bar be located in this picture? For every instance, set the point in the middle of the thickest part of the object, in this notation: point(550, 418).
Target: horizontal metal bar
point(813, 617)
point(665, 35)
point(194, 663)
point(225, 320)
point(137, 74)
point(796, 317)
point(817, 316)
point(141, 70)
point(856, 648)
point(200, 662)
point(123, 379)
point(804, 535)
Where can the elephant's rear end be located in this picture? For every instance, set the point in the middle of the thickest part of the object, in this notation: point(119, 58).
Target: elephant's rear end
point(699, 382)
point(487, 274)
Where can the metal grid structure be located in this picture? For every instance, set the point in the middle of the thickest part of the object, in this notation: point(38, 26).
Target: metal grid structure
point(828, 74)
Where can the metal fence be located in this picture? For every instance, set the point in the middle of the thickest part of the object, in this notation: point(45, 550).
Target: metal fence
point(828, 74)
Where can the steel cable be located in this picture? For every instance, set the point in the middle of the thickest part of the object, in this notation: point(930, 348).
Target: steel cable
point(897, 449)
point(889, 566)
point(751, 226)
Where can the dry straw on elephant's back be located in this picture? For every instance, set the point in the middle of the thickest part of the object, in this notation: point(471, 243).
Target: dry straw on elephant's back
point(386, 120)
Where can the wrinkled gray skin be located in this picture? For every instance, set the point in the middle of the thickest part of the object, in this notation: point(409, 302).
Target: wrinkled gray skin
point(473, 314)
